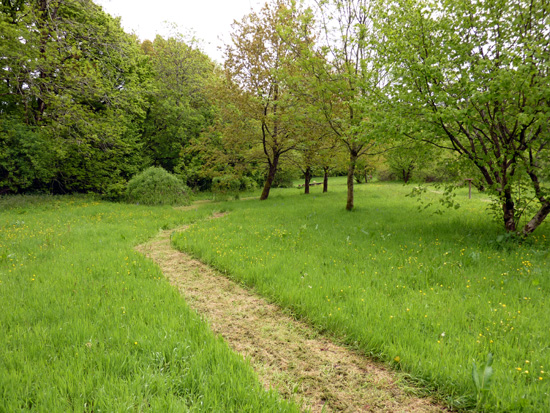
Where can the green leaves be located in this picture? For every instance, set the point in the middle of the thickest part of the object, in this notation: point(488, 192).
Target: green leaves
point(178, 108)
point(472, 75)
point(262, 74)
point(156, 186)
point(73, 82)
point(482, 378)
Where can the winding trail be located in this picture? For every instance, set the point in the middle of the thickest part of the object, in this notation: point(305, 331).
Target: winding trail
point(286, 354)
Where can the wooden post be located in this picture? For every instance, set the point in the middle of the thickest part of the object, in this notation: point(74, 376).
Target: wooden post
point(469, 187)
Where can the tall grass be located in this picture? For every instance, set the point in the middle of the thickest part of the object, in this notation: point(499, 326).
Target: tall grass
point(429, 294)
point(87, 324)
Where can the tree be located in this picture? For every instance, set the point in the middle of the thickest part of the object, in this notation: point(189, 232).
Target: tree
point(330, 157)
point(472, 77)
point(344, 77)
point(71, 96)
point(178, 109)
point(226, 147)
point(308, 158)
point(409, 158)
point(363, 170)
point(256, 63)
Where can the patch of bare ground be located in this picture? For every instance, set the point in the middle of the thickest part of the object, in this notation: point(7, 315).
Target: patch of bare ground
point(194, 205)
point(197, 204)
point(286, 354)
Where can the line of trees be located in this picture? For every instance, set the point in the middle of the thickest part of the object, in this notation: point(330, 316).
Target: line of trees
point(309, 86)
point(84, 106)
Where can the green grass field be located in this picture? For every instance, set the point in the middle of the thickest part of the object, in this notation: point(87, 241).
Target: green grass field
point(88, 324)
point(429, 294)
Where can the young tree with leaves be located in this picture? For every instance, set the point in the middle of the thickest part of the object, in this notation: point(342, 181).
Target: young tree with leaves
point(257, 64)
point(344, 75)
point(308, 155)
point(409, 158)
point(226, 148)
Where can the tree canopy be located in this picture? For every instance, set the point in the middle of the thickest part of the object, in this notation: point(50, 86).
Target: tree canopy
point(80, 99)
point(85, 106)
point(472, 77)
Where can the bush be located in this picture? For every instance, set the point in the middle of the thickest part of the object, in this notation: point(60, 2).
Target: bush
point(225, 185)
point(441, 173)
point(156, 186)
point(115, 191)
point(25, 158)
point(230, 185)
point(248, 184)
point(385, 175)
point(284, 178)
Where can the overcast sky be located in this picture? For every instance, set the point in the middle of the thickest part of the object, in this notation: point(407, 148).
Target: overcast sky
point(210, 20)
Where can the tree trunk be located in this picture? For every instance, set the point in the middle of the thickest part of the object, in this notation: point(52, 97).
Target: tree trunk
point(544, 210)
point(508, 209)
point(44, 36)
point(270, 177)
point(325, 180)
point(351, 171)
point(536, 220)
point(307, 180)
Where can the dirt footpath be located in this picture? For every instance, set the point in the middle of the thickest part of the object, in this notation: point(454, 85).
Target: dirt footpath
point(286, 354)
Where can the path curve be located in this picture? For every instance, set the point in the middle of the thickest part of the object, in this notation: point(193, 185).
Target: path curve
point(286, 354)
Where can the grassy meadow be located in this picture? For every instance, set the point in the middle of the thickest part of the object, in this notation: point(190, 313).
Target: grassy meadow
point(88, 324)
point(429, 294)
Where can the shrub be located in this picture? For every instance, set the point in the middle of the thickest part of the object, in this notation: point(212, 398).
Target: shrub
point(444, 172)
point(156, 186)
point(385, 175)
point(284, 178)
point(248, 184)
point(225, 185)
point(230, 185)
point(25, 158)
point(115, 191)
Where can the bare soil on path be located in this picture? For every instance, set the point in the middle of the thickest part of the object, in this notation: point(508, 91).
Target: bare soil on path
point(286, 354)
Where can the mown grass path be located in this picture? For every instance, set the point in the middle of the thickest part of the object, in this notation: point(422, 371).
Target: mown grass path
point(287, 355)
point(88, 324)
point(429, 294)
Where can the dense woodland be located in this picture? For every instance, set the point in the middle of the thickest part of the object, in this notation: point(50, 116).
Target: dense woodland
point(425, 90)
